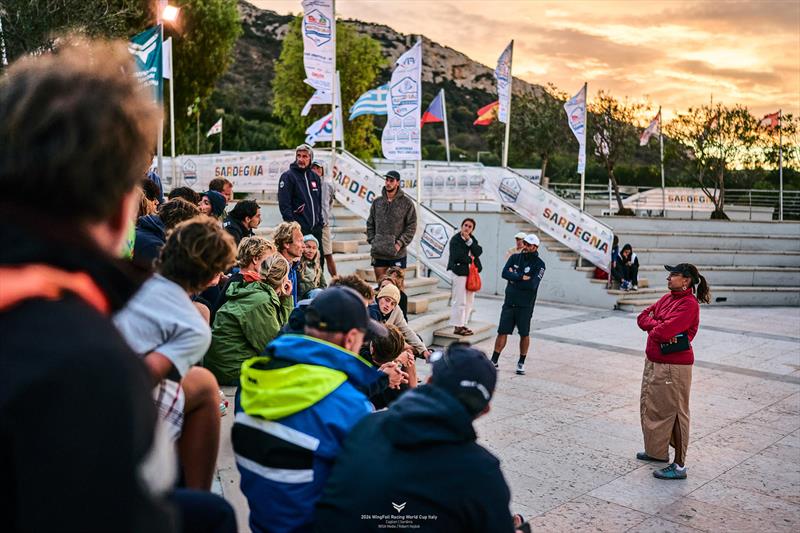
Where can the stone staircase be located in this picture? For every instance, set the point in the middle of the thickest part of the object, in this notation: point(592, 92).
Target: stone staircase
point(428, 297)
point(745, 263)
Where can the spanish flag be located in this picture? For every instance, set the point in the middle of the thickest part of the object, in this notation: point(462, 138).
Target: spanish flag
point(487, 114)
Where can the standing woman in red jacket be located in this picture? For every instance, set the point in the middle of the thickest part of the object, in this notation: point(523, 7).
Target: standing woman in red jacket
point(671, 324)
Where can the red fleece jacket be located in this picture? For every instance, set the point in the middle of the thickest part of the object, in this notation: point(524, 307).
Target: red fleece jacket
point(676, 312)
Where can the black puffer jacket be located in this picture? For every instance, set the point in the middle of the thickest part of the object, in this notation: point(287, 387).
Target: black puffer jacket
point(424, 456)
point(459, 260)
point(389, 223)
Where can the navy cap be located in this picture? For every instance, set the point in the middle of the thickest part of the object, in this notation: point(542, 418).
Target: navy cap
point(340, 309)
point(393, 174)
point(217, 202)
point(466, 373)
point(684, 270)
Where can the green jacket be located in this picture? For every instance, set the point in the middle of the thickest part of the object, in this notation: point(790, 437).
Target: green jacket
point(249, 320)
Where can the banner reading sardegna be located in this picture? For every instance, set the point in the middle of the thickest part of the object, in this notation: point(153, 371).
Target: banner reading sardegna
point(556, 217)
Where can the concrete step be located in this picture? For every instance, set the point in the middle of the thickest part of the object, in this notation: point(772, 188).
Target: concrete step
point(429, 301)
point(424, 325)
point(737, 275)
point(417, 286)
point(721, 295)
point(349, 232)
point(347, 219)
point(643, 282)
point(482, 331)
point(710, 241)
point(368, 274)
point(625, 225)
point(671, 256)
point(347, 264)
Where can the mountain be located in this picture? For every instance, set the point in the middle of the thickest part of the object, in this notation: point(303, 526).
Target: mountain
point(246, 86)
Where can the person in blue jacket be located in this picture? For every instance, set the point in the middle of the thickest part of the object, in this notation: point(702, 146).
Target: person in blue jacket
point(298, 402)
point(300, 195)
point(523, 272)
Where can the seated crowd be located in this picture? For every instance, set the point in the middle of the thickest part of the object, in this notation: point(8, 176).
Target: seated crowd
point(144, 306)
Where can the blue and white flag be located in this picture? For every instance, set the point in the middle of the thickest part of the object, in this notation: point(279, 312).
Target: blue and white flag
point(322, 130)
point(503, 76)
point(146, 50)
point(319, 97)
point(400, 140)
point(319, 43)
point(372, 102)
point(576, 116)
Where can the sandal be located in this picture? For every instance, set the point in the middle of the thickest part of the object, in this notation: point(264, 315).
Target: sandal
point(466, 332)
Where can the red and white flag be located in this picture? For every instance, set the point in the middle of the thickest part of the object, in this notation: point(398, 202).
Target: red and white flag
point(771, 121)
point(215, 129)
point(653, 128)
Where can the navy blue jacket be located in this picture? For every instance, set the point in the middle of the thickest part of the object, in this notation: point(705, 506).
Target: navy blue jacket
point(519, 292)
point(421, 453)
point(150, 238)
point(300, 197)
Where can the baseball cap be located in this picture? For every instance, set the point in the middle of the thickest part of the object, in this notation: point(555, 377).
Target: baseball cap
point(520, 235)
point(340, 309)
point(467, 374)
point(316, 163)
point(305, 148)
point(531, 239)
point(393, 174)
point(683, 269)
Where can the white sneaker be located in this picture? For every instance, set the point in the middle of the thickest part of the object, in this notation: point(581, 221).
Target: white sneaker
point(635, 288)
point(521, 369)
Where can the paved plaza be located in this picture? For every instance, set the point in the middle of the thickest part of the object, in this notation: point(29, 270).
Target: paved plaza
point(566, 433)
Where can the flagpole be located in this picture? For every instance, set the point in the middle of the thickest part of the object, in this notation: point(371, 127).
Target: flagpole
point(508, 117)
point(160, 141)
point(172, 117)
point(339, 109)
point(334, 89)
point(780, 162)
point(446, 136)
point(585, 127)
point(419, 167)
point(661, 148)
point(221, 124)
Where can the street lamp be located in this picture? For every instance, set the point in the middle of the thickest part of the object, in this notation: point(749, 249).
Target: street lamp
point(170, 13)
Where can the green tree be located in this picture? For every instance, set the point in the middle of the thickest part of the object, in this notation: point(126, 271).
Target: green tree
point(712, 141)
point(615, 135)
point(32, 27)
point(358, 59)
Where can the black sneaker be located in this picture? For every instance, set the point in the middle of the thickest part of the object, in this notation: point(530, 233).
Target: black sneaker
point(642, 456)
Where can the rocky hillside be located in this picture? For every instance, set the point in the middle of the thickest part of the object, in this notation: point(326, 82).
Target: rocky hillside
point(246, 87)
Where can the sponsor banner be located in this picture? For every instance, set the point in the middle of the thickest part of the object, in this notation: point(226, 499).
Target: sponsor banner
point(503, 76)
point(357, 186)
point(677, 199)
point(576, 117)
point(146, 50)
point(319, 43)
point(561, 220)
point(248, 171)
point(401, 135)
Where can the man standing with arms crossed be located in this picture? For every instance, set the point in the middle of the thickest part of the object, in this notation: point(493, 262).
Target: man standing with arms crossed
point(523, 271)
point(391, 226)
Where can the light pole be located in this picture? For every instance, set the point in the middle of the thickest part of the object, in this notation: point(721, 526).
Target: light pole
point(166, 13)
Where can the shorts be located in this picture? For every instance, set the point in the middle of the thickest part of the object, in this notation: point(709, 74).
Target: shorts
point(327, 243)
point(170, 401)
point(512, 316)
point(400, 262)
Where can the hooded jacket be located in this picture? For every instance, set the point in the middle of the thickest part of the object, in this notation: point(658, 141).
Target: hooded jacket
point(424, 456)
point(674, 313)
point(389, 223)
point(396, 318)
point(521, 292)
point(237, 230)
point(250, 318)
point(150, 238)
point(300, 197)
point(58, 351)
point(298, 403)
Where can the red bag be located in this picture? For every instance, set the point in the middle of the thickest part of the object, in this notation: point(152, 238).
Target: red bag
point(473, 278)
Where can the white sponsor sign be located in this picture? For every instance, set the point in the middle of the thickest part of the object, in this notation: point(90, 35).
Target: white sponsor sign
point(358, 185)
point(561, 220)
point(401, 135)
point(319, 43)
point(503, 76)
point(676, 198)
point(576, 116)
point(248, 171)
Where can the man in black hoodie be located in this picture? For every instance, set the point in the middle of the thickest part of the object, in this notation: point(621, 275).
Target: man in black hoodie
point(433, 476)
point(300, 195)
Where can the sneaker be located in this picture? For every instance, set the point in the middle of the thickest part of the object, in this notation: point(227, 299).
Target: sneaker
point(496, 365)
point(670, 472)
point(223, 404)
point(624, 286)
point(635, 288)
point(521, 369)
point(642, 456)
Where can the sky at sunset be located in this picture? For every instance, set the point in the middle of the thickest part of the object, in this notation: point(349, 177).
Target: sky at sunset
point(675, 54)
